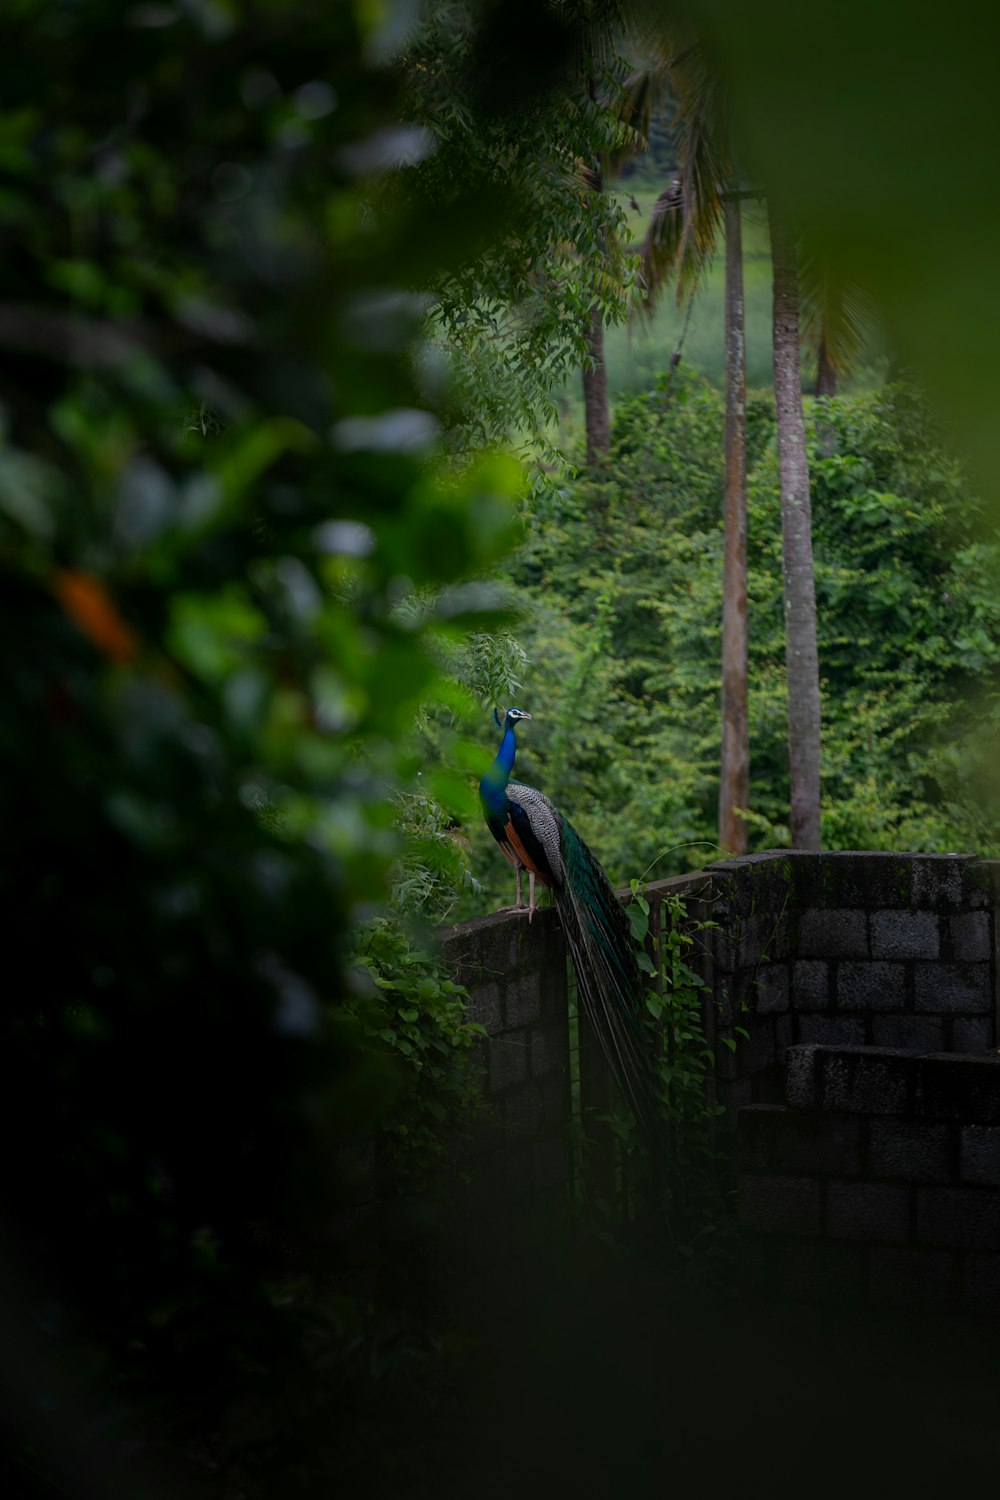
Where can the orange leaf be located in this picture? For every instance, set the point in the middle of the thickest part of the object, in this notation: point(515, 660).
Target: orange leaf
point(88, 604)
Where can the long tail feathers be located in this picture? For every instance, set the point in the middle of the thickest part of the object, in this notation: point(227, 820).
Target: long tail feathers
point(608, 981)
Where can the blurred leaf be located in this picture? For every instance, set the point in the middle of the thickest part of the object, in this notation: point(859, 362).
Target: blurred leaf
point(210, 634)
point(89, 605)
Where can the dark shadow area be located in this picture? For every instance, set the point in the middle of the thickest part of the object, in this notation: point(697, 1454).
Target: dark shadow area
point(612, 1381)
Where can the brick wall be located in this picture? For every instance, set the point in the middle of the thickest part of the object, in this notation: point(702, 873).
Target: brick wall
point(885, 950)
point(856, 975)
point(517, 1197)
point(874, 962)
point(878, 1181)
point(754, 904)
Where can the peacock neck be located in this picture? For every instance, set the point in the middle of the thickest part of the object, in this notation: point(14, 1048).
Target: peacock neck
point(498, 774)
point(507, 751)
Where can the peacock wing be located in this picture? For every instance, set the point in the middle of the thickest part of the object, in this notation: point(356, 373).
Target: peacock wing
point(534, 828)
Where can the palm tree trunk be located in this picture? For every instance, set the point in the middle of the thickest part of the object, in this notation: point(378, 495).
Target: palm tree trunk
point(801, 657)
point(826, 386)
point(826, 371)
point(595, 393)
point(734, 778)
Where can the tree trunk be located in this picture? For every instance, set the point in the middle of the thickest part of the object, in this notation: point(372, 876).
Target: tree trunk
point(595, 393)
point(734, 779)
point(826, 373)
point(796, 540)
point(826, 386)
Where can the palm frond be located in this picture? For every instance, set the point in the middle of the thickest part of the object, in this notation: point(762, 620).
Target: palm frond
point(644, 96)
point(687, 218)
point(835, 311)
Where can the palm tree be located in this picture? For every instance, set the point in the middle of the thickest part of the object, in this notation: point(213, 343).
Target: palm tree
point(734, 770)
point(599, 35)
point(679, 242)
point(801, 657)
point(837, 316)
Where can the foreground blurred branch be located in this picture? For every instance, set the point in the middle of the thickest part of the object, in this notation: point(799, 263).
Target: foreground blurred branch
point(101, 343)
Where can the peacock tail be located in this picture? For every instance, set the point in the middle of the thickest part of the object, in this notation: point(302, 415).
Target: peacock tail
point(609, 985)
point(535, 836)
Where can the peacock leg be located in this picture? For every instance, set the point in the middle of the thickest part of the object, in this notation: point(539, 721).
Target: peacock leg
point(519, 903)
point(531, 894)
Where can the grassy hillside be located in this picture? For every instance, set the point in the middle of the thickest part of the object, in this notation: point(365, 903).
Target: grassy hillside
point(638, 354)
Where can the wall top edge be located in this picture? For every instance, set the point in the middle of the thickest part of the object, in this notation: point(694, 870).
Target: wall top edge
point(821, 1051)
point(696, 882)
point(543, 916)
point(766, 856)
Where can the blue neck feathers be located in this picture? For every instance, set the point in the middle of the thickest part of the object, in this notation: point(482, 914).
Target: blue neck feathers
point(493, 783)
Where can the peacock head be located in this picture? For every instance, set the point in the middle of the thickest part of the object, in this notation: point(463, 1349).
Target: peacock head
point(507, 718)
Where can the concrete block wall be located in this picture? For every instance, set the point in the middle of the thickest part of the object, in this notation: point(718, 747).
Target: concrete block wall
point(894, 951)
point(753, 903)
point(877, 1182)
point(886, 962)
point(516, 1200)
point(885, 950)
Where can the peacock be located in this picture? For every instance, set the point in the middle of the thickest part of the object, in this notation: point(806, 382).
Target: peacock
point(535, 836)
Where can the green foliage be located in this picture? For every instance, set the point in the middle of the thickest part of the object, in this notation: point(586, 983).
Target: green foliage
point(218, 485)
point(240, 506)
point(514, 317)
point(433, 872)
point(620, 580)
point(415, 1019)
point(693, 1193)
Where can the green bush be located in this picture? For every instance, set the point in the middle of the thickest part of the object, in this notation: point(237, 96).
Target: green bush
point(216, 481)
